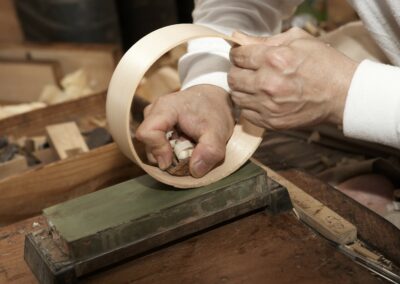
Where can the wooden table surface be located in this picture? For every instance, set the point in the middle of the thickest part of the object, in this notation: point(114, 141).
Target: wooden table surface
point(259, 248)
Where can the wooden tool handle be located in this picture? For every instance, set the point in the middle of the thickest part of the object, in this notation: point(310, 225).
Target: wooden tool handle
point(137, 60)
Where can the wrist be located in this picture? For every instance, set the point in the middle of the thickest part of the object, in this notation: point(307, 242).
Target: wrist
point(340, 91)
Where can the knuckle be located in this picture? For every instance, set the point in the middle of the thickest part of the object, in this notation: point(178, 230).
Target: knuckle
point(260, 82)
point(216, 152)
point(140, 133)
point(279, 57)
point(231, 79)
point(276, 86)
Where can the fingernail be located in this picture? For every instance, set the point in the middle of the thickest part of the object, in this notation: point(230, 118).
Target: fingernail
point(200, 168)
point(162, 162)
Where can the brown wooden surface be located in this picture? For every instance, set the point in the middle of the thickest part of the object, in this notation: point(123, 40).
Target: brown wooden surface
point(98, 60)
point(255, 249)
point(25, 195)
point(372, 228)
point(34, 122)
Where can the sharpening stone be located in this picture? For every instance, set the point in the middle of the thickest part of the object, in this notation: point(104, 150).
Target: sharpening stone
point(130, 218)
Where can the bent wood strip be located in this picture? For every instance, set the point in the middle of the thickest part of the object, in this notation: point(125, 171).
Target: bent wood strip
point(137, 60)
point(25, 195)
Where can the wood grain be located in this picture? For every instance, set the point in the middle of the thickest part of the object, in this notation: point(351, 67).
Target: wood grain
point(255, 249)
point(27, 194)
point(34, 122)
point(66, 139)
point(24, 81)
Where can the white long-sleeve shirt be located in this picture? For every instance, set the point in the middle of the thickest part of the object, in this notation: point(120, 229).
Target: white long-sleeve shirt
point(372, 109)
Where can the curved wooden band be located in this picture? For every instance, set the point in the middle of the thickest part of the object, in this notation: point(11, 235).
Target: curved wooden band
point(124, 82)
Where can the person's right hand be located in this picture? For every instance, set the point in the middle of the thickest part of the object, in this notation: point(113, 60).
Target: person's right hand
point(202, 112)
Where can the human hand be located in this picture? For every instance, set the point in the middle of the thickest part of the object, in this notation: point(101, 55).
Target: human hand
point(289, 80)
point(202, 112)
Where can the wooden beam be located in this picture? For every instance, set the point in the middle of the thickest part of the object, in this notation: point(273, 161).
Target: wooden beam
point(25, 195)
point(318, 216)
point(66, 139)
point(24, 81)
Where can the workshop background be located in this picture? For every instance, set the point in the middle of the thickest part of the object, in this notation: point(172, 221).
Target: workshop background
point(56, 61)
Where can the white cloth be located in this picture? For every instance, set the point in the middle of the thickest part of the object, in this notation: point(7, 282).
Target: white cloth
point(375, 88)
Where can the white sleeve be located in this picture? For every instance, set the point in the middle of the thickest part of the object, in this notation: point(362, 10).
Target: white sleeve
point(372, 109)
point(207, 60)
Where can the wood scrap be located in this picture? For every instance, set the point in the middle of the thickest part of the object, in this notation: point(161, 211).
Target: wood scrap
point(66, 139)
point(14, 166)
point(24, 81)
point(46, 156)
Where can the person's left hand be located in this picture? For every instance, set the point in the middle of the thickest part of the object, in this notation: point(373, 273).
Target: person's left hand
point(289, 80)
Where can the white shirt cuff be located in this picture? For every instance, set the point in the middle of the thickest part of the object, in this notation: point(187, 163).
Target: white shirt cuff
point(207, 62)
point(372, 109)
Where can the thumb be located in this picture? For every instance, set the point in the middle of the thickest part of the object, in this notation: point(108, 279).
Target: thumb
point(209, 151)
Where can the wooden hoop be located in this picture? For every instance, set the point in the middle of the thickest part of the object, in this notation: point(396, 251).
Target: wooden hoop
point(137, 60)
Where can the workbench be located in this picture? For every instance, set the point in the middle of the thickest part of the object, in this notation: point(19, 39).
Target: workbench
point(256, 248)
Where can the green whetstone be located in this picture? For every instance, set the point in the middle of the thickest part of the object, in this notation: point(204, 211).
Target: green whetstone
point(103, 227)
point(134, 209)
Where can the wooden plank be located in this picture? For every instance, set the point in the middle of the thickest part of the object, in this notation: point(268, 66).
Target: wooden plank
point(27, 194)
point(318, 216)
point(66, 139)
point(15, 166)
point(24, 81)
point(10, 28)
point(35, 122)
point(97, 60)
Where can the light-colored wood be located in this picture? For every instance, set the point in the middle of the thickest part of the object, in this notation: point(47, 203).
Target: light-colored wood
point(98, 61)
point(15, 166)
point(10, 29)
point(127, 76)
point(24, 81)
point(315, 214)
point(66, 139)
point(25, 195)
point(35, 122)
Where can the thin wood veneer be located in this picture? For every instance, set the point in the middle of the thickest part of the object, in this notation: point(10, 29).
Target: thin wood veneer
point(137, 60)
